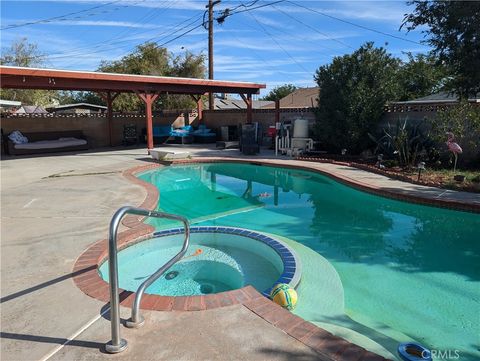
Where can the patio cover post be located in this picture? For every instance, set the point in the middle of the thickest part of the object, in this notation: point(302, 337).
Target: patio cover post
point(109, 98)
point(248, 101)
point(199, 107)
point(277, 111)
point(148, 98)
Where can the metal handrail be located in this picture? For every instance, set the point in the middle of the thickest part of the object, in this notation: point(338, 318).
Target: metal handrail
point(117, 344)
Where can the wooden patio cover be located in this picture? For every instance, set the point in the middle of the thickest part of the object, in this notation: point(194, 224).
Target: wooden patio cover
point(109, 85)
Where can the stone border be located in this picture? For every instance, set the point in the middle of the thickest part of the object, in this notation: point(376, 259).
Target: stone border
point(90, 282)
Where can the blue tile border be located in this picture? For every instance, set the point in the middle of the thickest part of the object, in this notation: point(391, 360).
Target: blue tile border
point(291, 263)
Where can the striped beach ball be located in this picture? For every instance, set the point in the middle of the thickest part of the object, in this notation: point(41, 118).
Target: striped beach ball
point(285, 296)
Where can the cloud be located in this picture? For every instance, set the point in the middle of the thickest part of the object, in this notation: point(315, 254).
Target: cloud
point(124, 24)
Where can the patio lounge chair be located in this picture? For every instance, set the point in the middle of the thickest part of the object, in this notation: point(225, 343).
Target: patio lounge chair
point(204, 135)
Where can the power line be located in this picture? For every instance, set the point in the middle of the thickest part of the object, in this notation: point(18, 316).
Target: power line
point(353, 24)
point(278, 44)
point(62, 17)
point(312, 28)
point(179, 36)
point(147, 17)
point(288, 74)
point(111, 45)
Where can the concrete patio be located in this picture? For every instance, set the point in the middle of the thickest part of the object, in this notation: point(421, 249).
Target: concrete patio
point(54, 206)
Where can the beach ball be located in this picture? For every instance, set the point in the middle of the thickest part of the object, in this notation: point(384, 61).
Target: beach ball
point(285, 296)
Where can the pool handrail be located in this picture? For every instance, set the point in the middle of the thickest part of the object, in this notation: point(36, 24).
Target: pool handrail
point(117, 344)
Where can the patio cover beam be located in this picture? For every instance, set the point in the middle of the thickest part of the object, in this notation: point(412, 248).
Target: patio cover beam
point(108, 97)
point(248, 100)
point(148, 99)
point(198, 100)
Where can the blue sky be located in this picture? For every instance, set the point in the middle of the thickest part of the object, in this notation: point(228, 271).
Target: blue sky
point(276, 44)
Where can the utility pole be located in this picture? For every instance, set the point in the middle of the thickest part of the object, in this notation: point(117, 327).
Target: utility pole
point(210, 6)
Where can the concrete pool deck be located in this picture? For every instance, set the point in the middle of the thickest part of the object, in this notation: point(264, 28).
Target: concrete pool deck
point(54, 206)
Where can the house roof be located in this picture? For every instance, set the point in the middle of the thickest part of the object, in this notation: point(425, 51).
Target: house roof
point(76, 105)
point(30, 109)
point(440, 97)
point(237, 104)
point(300, 98)
point(9, 103)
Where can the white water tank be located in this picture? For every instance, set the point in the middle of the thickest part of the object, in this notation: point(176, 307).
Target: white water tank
point(300, 128)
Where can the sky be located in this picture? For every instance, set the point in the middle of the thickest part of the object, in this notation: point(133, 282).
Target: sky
point(267, 41)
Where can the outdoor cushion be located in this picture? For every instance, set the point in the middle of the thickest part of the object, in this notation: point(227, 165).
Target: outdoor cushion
point(17, 137)
point(162, 130)
point(50, 144)
point(182, 132)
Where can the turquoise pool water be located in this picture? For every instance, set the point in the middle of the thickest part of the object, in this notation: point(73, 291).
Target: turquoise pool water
point(409, 272)
point(225, 262)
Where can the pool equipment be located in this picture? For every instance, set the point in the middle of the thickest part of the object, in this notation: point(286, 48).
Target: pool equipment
point(298, 143)
point(411, 351)
point(285, 296)
point(118, 344)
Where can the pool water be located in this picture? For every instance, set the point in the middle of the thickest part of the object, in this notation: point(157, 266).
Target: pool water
point(214, 262)
point(409, 272)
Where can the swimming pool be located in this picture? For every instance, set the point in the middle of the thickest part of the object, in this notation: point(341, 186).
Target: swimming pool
point(407, 272)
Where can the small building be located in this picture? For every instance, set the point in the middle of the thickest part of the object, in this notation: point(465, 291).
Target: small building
point(429, 103)
point(31, 109)
point(7, 106)
point(300, 98)
point(77, 108)
point(226, 102)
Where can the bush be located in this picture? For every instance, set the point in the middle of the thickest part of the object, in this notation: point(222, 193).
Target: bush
point(406, 142)
point(463, 120)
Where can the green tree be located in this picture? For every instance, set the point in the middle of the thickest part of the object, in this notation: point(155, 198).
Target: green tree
point(149, 59)
point(353, 91)
point(463, 120)
point(454, 33)
point(25, 54)
point(280, 92)
point(421, 76)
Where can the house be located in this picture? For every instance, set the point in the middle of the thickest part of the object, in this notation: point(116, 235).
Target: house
point(77, 108)
point(30, 109)
point(428, 103)
point(300, 98)
point(224, 102)
point(9, 105)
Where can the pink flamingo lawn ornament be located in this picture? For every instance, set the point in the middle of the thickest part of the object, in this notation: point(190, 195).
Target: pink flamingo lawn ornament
point(453, 147)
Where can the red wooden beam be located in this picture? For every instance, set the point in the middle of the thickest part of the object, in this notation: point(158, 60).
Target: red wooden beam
point(248, 101)
point(148, 98)
point(277, 111)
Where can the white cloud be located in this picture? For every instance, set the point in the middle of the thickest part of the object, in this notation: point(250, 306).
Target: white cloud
point(124, 24)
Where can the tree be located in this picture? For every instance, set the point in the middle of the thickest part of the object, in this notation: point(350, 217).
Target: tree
point(149, 59)
point(463, 120)
point(454, 33)
point(421, 76)
point(25, 54)
point(280, 92)
point(354, 91)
